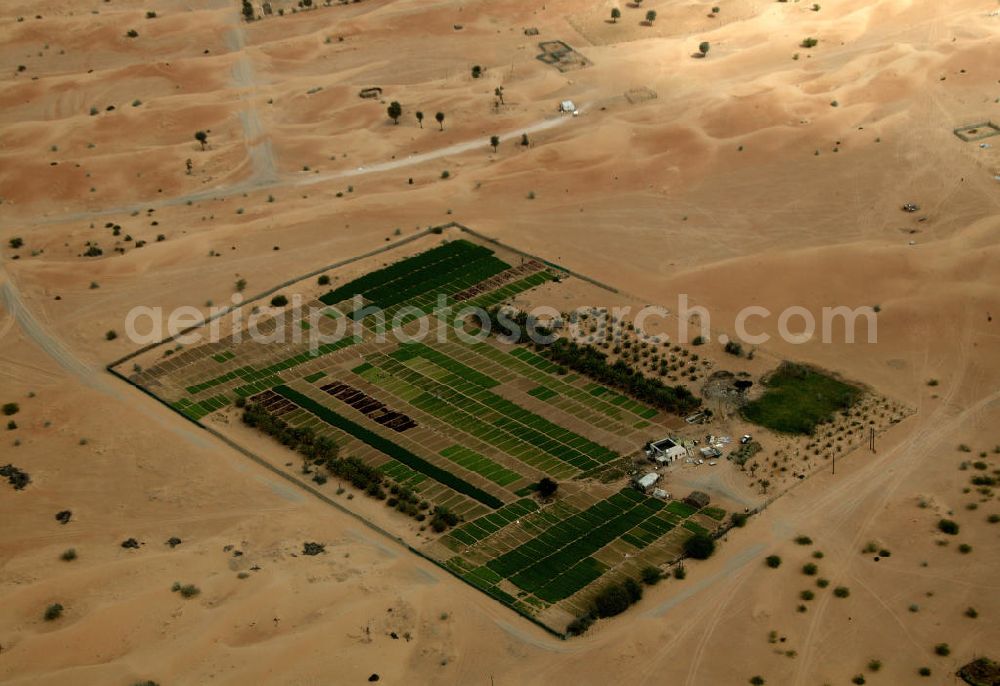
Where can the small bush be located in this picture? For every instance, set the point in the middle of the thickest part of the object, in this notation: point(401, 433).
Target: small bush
point(53, 612)
point(809, 42)
point(68, 555)
point(445, 174)
point(651, 575)
point(699, 546)
point(874, 665)
point(965, 548)
point(948, 526)
point(807, 595)
point(186, 590)
point(924, 671)
point(822, 583)
point(803, 540)
point(279, 301)
point(323, 280)
point(971, 612)
point(858, 679)
point(842, 591)
point(10, 409)
point(773, 561)
point(942, 649)
point(809, 569)
point(111, 335)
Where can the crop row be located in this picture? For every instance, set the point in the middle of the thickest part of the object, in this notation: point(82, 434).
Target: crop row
point(249, 374)
point(454, 276)
point(401, 270)
point(478, 529)
point(579, 526)
point(397, 452)
point(407, 351)
point(481, 465)
point(510, 417)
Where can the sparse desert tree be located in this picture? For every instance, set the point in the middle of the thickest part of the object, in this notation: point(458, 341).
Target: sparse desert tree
point(202, 138)
point(477, 71)
point(495, 142)
point(699, 546)
point(439, 117)
point(498, 91)
point(420, 119)
point(616, 14)
point(650, 17)
point(53, 612)
point(703, 48)
point(395, 111)
point(524, 140)
point(16, 242)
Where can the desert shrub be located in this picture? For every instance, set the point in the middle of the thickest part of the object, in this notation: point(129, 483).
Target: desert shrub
point(809, 42)
point(971, 612)
point(874, 665)
point(580, 625)
point(924, 671)
point(323, 280)
point(858, 679)
point(942, 649)
point(948, 526)
point(807, 595)
point(734, 348)
point(822, 583)
point(809, 569)
point(773, 561)
point(965, 548)
point(757, 681)
point(53, 612)
point(680, 572)
point(611, 601)
point(111, 335)
point(651, 575)
point(738, 519)
point(186, 590)
point(279, 301)
point(10, 409)
point(68, 555)
point(841, 591)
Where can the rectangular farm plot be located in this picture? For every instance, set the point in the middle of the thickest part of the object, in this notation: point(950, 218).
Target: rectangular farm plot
point(471, 427)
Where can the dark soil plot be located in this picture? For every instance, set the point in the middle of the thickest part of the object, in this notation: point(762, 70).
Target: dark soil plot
point(798, 398)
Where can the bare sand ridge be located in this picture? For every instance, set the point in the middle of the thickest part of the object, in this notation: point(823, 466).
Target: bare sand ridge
point(740, 184)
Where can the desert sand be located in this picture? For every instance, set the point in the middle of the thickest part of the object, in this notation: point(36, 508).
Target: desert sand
point(755, 177)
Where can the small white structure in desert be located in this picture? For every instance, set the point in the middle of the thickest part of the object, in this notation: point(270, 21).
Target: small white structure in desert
point(665, 451)
point(647, 481)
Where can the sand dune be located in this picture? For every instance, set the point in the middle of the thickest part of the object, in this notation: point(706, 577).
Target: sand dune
point(741, 183)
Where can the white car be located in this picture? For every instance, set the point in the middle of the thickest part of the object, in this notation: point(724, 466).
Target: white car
point(746, 439)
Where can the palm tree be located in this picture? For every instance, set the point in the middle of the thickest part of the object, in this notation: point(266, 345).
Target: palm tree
point(495, 142)
point(616, 14)
point(395, 110)
point(498, 91)
point(420, 119)
point(440, 119)
point(202, 138)
point(650, 17)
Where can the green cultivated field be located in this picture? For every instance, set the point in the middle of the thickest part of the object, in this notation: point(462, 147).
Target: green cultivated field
point(798, 398)
point(485, 422)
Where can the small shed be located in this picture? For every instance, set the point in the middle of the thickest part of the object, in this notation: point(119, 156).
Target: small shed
point(698, 499)
point(647, 481)
point(660, 493)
